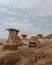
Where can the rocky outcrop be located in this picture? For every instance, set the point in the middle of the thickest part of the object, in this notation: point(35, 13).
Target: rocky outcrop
point(33, 42)
point(24, 39)
point(13, 40)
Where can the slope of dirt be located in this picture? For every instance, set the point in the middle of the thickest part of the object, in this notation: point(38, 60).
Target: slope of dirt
point(27, 56)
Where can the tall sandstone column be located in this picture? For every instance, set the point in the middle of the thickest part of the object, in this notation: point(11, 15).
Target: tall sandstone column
point(24, 39)
point(13, 40)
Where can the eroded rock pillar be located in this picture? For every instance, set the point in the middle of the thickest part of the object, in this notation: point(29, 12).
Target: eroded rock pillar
point(24, 39)
point(13, 40)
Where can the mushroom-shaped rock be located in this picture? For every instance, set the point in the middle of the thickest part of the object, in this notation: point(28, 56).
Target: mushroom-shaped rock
point(33, 42)
point(39, 36)
point(13, 39)
point(24, 39)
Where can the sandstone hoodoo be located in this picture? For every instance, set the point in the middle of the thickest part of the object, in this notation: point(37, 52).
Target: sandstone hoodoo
point(49, 36)
point(24, 36)
point(33, 42)
point(39, 36)
point(24, 39)
point(13, 40)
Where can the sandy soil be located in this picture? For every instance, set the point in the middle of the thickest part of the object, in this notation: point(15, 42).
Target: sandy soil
point(26, 56)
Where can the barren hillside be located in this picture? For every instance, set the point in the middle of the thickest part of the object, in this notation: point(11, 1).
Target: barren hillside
point(27, 56)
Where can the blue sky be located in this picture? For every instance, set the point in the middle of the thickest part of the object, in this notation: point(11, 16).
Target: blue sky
point(31, 17)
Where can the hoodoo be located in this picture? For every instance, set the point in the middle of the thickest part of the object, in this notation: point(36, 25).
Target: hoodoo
point(49, 36)
point(33, 42)
point(24, 40)
point(13, 40)
point(39, 36)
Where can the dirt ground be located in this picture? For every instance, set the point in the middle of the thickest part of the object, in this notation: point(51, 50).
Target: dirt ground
point(27, 56)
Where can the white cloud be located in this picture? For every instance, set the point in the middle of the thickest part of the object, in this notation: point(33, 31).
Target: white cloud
point(18, 3)
point(33, 10)
point(36, 7)
point(9, 19)
point(25, 27)
point(9, 11)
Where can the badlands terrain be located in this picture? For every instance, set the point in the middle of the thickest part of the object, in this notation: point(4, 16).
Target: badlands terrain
point(36, 50)
point(25, 55)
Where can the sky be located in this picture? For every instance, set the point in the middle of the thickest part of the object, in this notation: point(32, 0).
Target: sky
point(31, 17)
